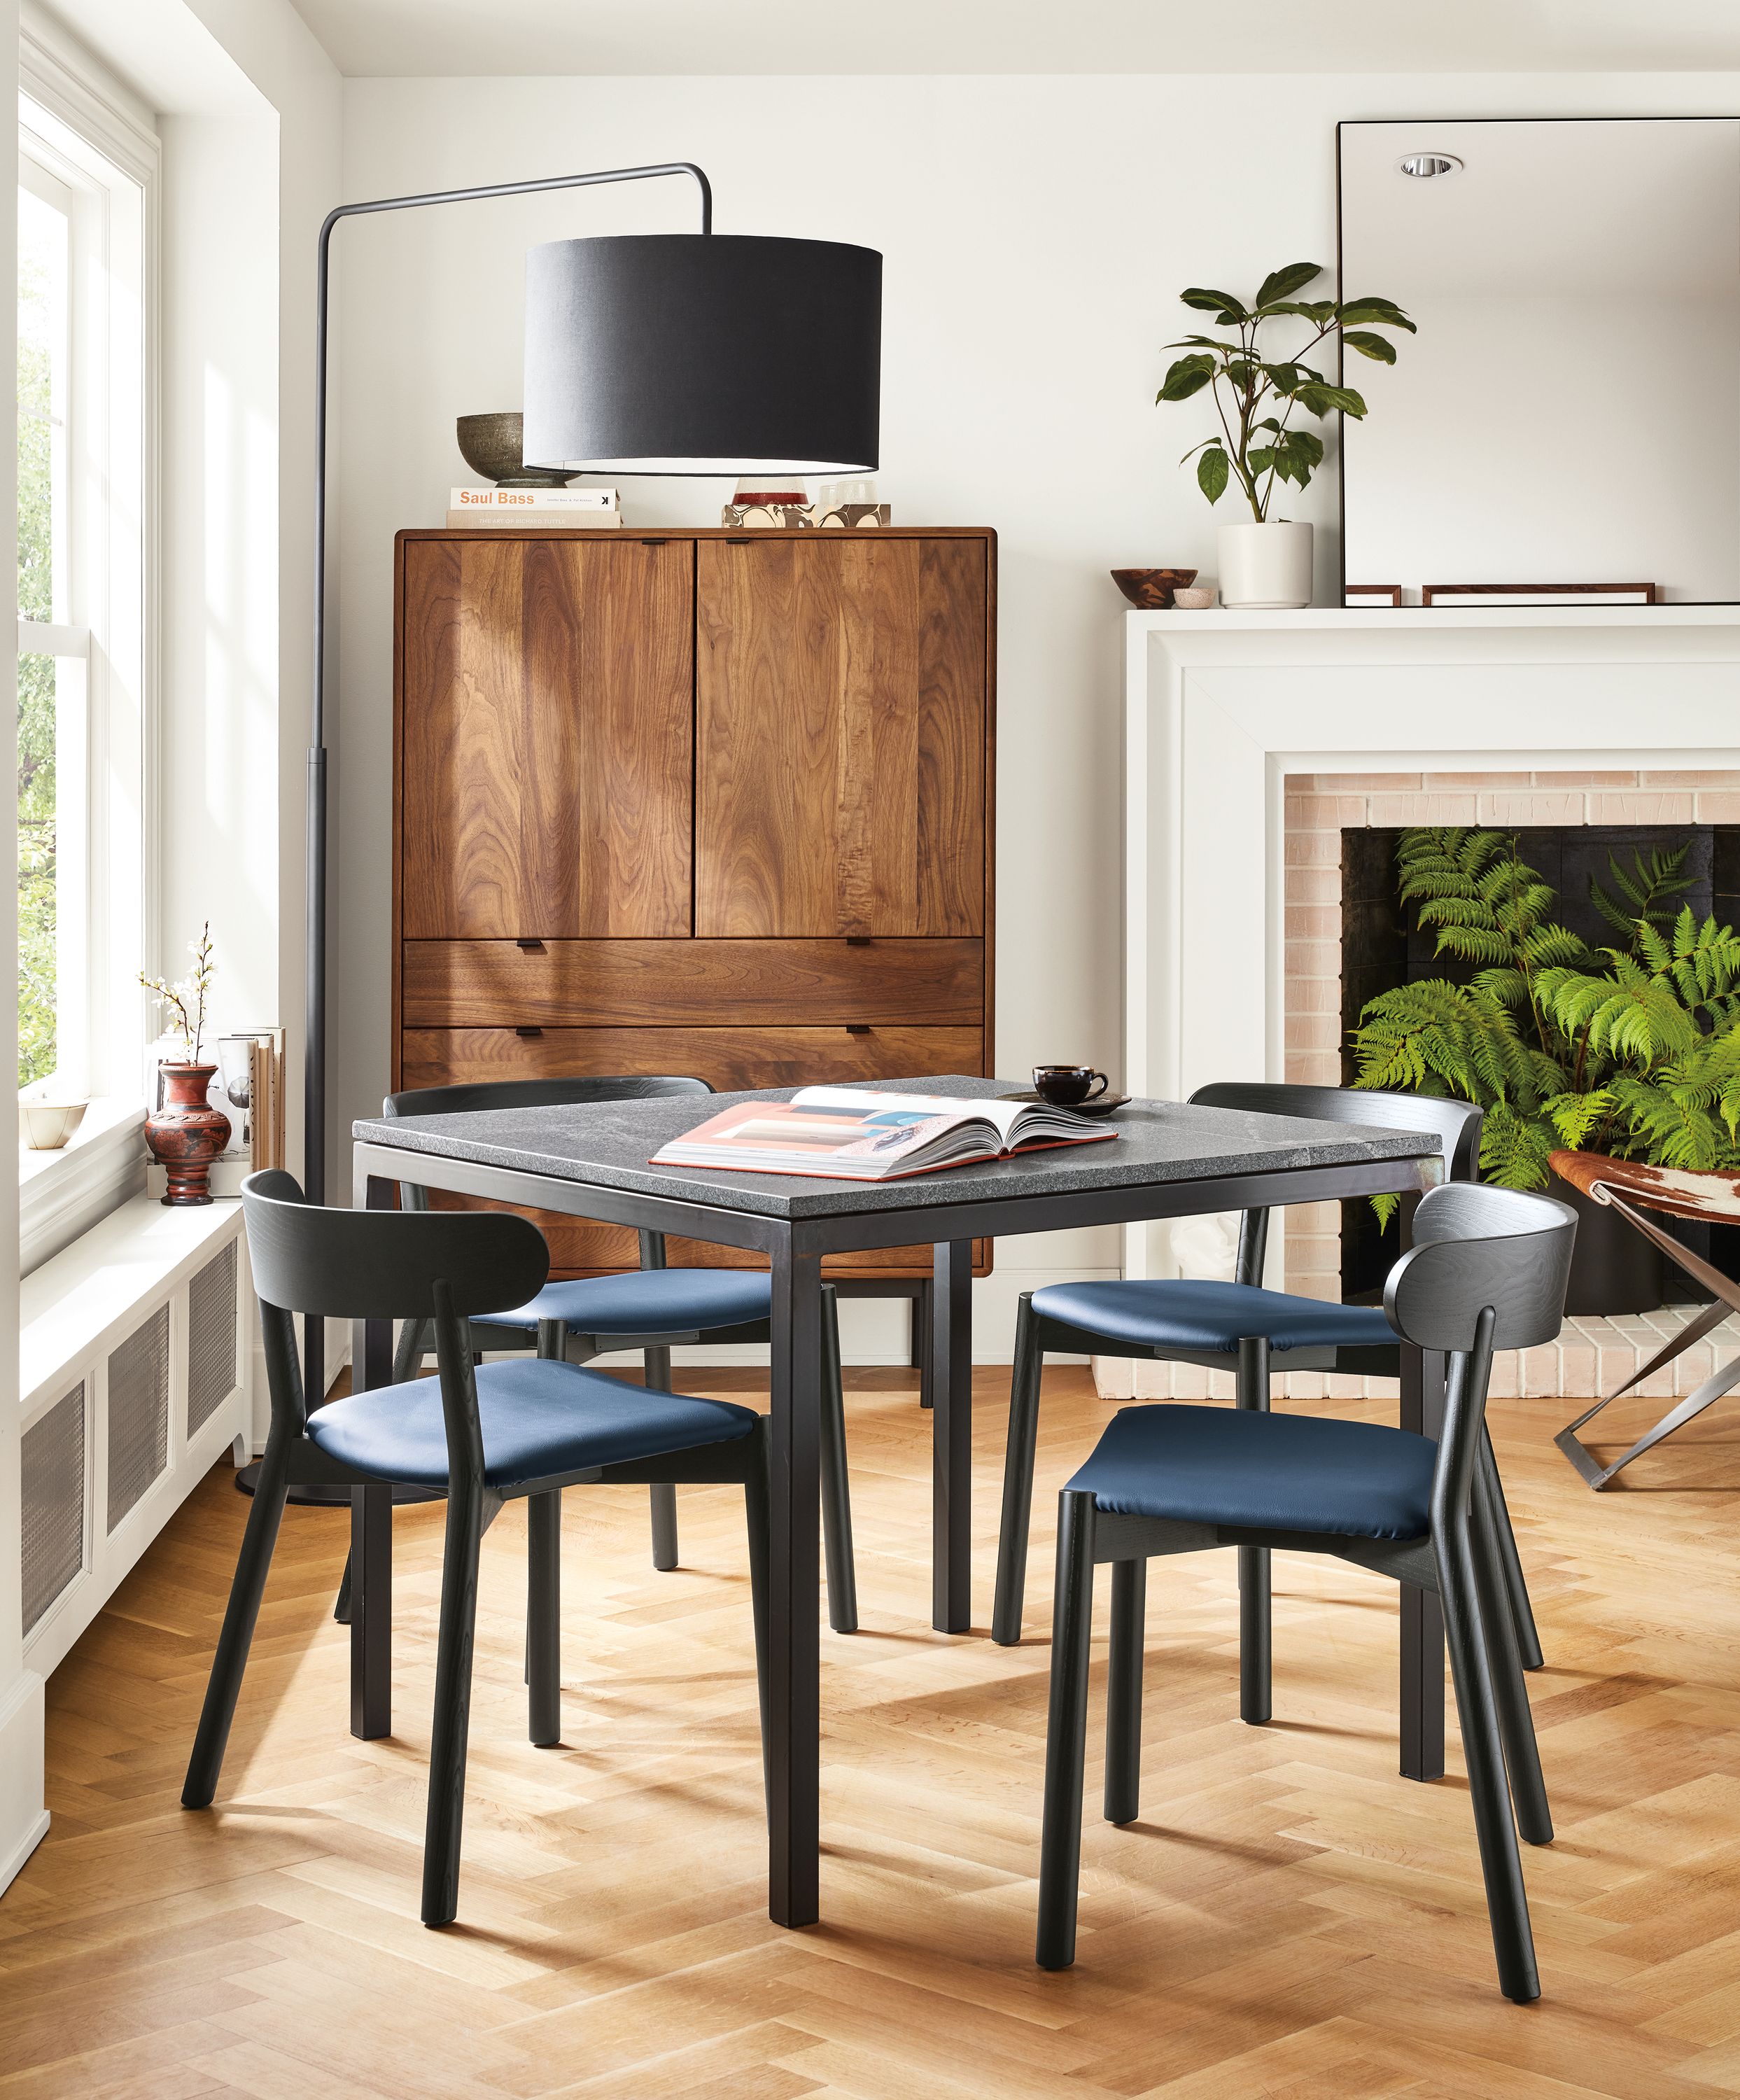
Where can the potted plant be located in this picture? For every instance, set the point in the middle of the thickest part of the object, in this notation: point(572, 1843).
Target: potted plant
point(1257, 394)
point(1632, 1050)
point(185, 1133)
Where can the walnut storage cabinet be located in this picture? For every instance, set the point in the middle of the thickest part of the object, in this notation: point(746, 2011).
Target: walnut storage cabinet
point(693, 801)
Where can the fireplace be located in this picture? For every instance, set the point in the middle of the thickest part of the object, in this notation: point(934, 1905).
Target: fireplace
point(1256, 740)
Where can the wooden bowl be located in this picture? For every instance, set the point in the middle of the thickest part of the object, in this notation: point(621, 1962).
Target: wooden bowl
point(1150, 590)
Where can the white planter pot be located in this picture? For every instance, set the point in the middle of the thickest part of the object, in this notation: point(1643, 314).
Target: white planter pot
point(1265, 566)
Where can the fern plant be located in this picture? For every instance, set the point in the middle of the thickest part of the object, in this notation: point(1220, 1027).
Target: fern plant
point(1633, 1050)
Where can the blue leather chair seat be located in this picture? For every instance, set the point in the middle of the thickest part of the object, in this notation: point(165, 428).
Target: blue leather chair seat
point(1211, 1316)
point(1280, 1472)
point(647, 1301)
point(538, 1418)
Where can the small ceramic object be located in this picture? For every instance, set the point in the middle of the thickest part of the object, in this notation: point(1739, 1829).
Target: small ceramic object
point(1201, 600)
point(46, 1126)
point(1068, 1086)
point(186, 1133)
point(1265, 567)
point(492, 446)
point(1150, 590)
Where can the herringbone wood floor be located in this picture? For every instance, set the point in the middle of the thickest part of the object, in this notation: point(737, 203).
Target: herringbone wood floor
point(1289, 1919)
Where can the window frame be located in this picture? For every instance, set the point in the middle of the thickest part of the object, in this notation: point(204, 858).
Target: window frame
point(89, 133)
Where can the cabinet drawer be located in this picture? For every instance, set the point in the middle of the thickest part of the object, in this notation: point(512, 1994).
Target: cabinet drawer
point(627, 984)
point(727, 1058)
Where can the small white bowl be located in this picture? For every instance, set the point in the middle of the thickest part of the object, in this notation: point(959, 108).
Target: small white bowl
point(45, 1126)
point(1196, 599)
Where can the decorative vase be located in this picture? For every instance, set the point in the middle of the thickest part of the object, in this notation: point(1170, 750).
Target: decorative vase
point(186, 1133)
point(1265, 567)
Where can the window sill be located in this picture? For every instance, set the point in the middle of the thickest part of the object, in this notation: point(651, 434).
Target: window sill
point(61, 1194)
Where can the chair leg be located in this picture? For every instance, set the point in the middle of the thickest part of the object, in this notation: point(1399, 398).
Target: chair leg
point(657, 1372)
point(236, 1637)
point(1256, 1665)
point(543, 1616)
point(836, 1487)
point(407, 1363)
point(1018, 1477)
point(447, 1755)
point(1124, 1691)
point(1515, 1588)
point(1528, 1790)
point(758, 1518)
point(1066, 1734)
point(1501, 1865)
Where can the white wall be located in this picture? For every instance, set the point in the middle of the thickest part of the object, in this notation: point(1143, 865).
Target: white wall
point(1035, 232)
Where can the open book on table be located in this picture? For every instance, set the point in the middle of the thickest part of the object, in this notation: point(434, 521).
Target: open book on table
point(848, 1133)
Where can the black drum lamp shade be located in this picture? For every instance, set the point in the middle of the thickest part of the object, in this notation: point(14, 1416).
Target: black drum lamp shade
point(703, 353)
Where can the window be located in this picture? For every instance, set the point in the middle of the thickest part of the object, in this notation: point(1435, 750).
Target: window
point(87, 166)
point(85, 172)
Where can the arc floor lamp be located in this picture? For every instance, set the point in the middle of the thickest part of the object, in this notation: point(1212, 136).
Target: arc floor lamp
point(645, 354)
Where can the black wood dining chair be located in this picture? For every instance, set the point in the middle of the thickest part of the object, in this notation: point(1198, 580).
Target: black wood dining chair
point(652, 1309)
point(1239, 1327)
point(481, 1436)
point(1487, 1271)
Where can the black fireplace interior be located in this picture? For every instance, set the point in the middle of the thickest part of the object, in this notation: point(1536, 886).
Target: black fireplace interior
point(1380, 950)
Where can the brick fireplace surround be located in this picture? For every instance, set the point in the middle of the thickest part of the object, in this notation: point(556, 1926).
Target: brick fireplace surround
point(1244, 725)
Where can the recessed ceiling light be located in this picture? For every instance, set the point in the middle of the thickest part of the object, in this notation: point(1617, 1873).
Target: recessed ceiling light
point(1424, 164)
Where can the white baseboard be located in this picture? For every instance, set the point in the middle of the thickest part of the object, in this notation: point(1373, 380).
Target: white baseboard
point(24, 1820)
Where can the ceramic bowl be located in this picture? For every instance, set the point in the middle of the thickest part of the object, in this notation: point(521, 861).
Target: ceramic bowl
point(45, 1126)
point(1194, 600)
point(1150, 590)
point(491, 446)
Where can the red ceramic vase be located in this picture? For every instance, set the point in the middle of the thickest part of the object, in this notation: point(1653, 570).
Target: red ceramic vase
point(186, 1133)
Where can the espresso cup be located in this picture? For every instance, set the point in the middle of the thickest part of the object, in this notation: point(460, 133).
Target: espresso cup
point(1068, 1086)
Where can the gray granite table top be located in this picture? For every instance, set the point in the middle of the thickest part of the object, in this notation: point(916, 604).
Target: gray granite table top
point(611, 1144)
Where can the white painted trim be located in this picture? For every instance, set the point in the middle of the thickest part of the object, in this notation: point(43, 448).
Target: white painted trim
point(63, 1194)
point(26, 1819)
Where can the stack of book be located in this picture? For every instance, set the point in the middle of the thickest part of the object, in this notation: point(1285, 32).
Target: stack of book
point(544, 510)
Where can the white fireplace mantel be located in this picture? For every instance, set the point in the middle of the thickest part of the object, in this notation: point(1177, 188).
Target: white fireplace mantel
point(1222, 706)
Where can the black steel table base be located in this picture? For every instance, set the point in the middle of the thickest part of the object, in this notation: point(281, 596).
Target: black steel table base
point(1171, 1162)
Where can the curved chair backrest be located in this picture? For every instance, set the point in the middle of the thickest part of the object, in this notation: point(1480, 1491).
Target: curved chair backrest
point(1477, 1248)
point(385, 1265)
point(538, 1093)
point(1455, 1124)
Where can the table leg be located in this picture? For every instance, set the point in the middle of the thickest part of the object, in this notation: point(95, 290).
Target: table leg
point(1422, 1616)
point(370, 1600)
point(794, 1711)
point(952, 1437)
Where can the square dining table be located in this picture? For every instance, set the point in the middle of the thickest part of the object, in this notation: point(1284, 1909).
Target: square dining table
point(1169, 1160)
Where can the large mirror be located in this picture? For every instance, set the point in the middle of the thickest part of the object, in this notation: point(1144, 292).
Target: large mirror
point(1569, 413)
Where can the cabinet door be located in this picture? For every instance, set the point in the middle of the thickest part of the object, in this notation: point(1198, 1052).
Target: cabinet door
point(546, 748)
point(840, 774)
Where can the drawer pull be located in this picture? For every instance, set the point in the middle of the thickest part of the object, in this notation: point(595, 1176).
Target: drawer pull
point(857, 1028)
point(857, 940)
point(528, 1033)
point(530, 947)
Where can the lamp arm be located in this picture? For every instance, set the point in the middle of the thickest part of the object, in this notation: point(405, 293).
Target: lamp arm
point(314, 1074)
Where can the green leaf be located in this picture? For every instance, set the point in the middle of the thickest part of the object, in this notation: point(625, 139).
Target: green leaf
point(1186, 376)
point(1283, 283)
point(1318, 399)
point(1287, 378)
point(1213, 470)
point(1386, 312)
point(1369, 345)
point(1207, 302)
point(1242, 373)
point(1311, 310)
point(1260, 458)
